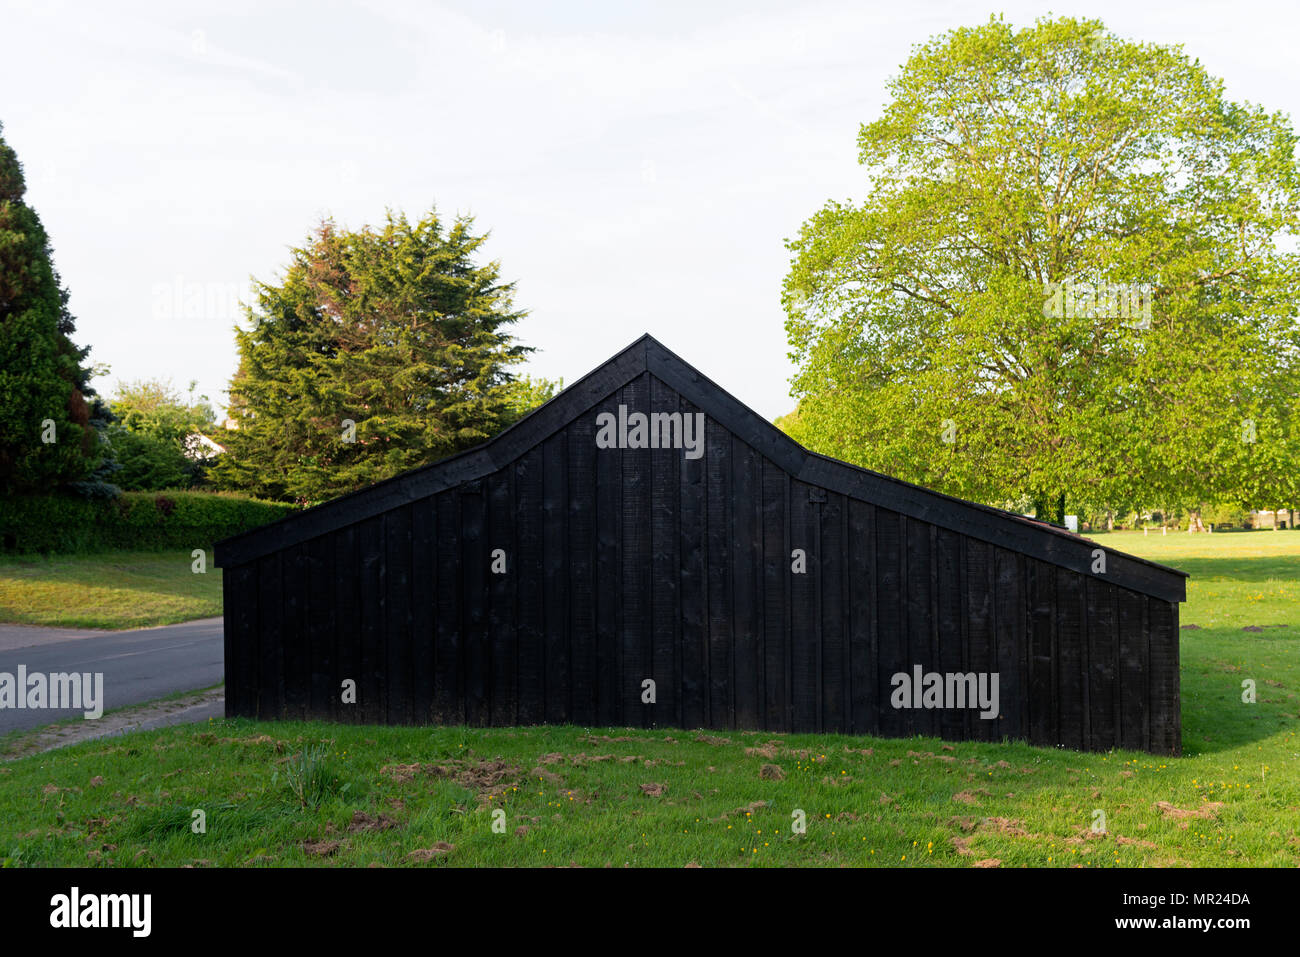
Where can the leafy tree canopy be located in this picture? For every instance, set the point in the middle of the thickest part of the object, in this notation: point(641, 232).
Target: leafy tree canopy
point(1073, 280)
point(155, 423)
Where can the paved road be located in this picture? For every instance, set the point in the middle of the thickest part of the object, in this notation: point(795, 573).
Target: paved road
point(137, 665)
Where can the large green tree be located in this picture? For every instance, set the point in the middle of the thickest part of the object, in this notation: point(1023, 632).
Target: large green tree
point(51, 420)
point(379, 351)
point(1069, 283)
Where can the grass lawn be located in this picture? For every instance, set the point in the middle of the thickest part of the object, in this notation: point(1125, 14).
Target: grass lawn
point(110, 590)
point(417, 796)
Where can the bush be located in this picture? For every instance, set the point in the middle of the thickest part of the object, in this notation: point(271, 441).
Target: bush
point(148, 463)
point(148, 521)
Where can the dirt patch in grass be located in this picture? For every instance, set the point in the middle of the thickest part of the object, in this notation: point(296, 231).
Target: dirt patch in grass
point(1004, 825)
point(578, 760)
point(361, 821)
point(1136, 842)
point(485, 777)
point(1206, 811)
point(440, 849)
point(771, 772)
point(321, 848)
point(748, 810)
point(653, 789)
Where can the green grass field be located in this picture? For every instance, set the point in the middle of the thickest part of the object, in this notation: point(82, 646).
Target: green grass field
point(111, 590)
point(430, 796)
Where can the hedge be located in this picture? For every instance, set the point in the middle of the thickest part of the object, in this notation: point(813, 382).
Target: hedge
point(149, 521)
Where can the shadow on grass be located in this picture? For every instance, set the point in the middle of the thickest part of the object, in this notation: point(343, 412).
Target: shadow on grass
point(1271, 568)
point(1215, 717)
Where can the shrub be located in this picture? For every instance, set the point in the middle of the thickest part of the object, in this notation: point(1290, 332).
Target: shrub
point(146, 521)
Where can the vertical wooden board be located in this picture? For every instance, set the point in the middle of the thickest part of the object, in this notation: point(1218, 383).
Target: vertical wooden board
point(1041, 583)
point(530, 569)
point(581, 470)
point(239, 586)
point(295, 660)
point(473, 615)
point(892, 640)
point(805, 633)
point(555, 563)
point(232, 642)
point(1162, 685)
point(609, 569)
point(1069, 677)
point(953, 721)
point(919, 586)
point(1103, 653)
point(320, 614)
point(864, 689)
point(448, 700)
point(665, 566)
point(692, 590)
point(977, 586)
point(776, 580)
point(1009, 625)
point(424, 596)
point(747, 578)
point(1133, 670)
point(397, 622)
point(719, 564)
point(636, 657)
point(502, 588)
point(347, 582)
point(372, 689)
point(832, 614)
point(270, 604)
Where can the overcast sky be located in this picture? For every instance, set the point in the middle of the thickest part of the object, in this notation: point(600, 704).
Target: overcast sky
point(639, 165)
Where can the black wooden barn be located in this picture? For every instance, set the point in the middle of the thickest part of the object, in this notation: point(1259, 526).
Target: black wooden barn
point(545, 575)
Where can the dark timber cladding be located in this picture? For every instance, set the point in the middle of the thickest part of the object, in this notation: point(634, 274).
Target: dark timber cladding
point(577, 569)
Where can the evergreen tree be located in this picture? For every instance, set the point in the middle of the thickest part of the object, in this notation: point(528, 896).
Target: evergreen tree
point(379, 351)
point(51, 420)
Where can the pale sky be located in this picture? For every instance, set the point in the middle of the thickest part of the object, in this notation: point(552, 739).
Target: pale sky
point(639, 165)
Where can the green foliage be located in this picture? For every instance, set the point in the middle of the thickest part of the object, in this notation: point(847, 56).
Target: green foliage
point(147, 463)
point(44, 385)
point(1008, 161)
point(149, 439)
point(526, 394)
point(396, 331)
point(135, 520)
point(154, 407)
point(312, 778)
point(792, 425)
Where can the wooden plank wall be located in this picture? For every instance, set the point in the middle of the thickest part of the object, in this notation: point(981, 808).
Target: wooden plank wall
point(628, 566)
